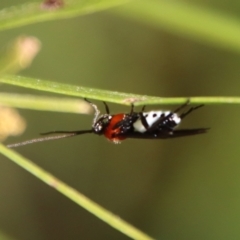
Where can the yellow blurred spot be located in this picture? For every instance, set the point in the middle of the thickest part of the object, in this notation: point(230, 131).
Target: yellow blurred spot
point(27, 48)
point(19, 54)
point(11, 123)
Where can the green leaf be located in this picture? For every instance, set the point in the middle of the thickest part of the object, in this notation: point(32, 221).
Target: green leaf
point(200, 24)
point(45, 103)
point(79, 91)
point(108, 96)
point(74, 195)
point(30, 13)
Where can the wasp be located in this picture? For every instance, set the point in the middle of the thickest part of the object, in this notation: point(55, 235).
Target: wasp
point(141, 125)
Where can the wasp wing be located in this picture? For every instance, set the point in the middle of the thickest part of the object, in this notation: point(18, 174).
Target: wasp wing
point(166, 134)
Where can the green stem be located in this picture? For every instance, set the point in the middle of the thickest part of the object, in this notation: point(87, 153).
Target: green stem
point(110, 96)
point(204, 25)
point(30, 13)
point(108, 217)
point(44, 103)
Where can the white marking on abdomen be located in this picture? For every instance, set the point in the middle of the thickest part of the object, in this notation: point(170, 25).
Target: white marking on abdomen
point(151, 117)
point(176, 118)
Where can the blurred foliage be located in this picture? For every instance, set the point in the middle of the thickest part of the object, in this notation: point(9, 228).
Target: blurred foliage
point(5, 237)
point(11, 123)
point(19, 54)
point(103, 214)
point(180, 189)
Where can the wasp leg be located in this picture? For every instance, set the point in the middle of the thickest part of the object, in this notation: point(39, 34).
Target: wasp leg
point(182, 106)
point(96, 113)
point(106, 108)
point(183, 115)
point(161, 120)
point(143, 121)
point(142, 118)
point(132, 109)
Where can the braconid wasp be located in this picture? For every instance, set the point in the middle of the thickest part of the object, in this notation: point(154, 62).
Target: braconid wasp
point(142, 125)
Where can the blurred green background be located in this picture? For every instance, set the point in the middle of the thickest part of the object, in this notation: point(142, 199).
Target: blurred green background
point(178, 189)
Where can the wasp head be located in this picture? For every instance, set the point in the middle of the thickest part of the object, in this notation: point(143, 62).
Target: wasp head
point(100, 125)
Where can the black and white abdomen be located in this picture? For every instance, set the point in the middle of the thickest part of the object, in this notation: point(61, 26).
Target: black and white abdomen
point(161, 120)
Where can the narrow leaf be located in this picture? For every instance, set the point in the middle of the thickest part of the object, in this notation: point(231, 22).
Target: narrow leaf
point(110, 96)
point(203, 25)
point(44, 103)
point(30, 13)
point(75, 196)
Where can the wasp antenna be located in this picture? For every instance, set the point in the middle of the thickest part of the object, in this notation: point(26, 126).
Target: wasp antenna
point(35, 140)
point(68, 132)
point(97, 112)
point(65, 134)
point(106, 107)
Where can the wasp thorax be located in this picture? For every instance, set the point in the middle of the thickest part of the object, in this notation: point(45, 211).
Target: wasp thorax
point(101, 123)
